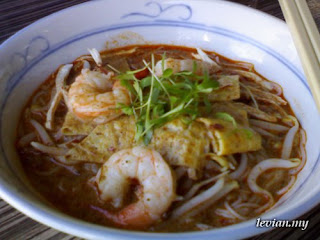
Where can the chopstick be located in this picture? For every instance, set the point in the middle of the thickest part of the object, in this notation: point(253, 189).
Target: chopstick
point(307, 41)
point(310, 25)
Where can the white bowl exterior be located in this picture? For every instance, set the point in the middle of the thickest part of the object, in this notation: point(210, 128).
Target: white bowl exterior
point(228, 29)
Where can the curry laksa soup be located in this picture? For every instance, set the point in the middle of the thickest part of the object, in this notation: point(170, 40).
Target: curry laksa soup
point(160, 138)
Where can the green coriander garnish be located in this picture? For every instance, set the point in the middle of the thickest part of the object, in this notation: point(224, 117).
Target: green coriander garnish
point(160, 99)
point(226, 117)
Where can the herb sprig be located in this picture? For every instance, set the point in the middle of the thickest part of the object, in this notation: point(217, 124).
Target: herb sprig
point(160, 99)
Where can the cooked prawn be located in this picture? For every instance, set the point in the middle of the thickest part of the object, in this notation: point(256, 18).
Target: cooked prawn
point(155, 177)
point(94, 96)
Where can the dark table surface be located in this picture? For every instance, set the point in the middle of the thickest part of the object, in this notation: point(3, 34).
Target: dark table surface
point(15, 15)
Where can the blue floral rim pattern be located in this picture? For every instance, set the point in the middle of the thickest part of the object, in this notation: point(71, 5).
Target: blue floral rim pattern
point(162, 10)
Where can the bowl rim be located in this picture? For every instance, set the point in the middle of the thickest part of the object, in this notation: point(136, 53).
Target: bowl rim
point(71, 225)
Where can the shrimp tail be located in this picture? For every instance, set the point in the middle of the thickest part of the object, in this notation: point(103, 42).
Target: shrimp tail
point(130, 215)
point(106, 213)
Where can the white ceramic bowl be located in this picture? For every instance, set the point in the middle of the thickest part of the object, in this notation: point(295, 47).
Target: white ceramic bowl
point(232, 30)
